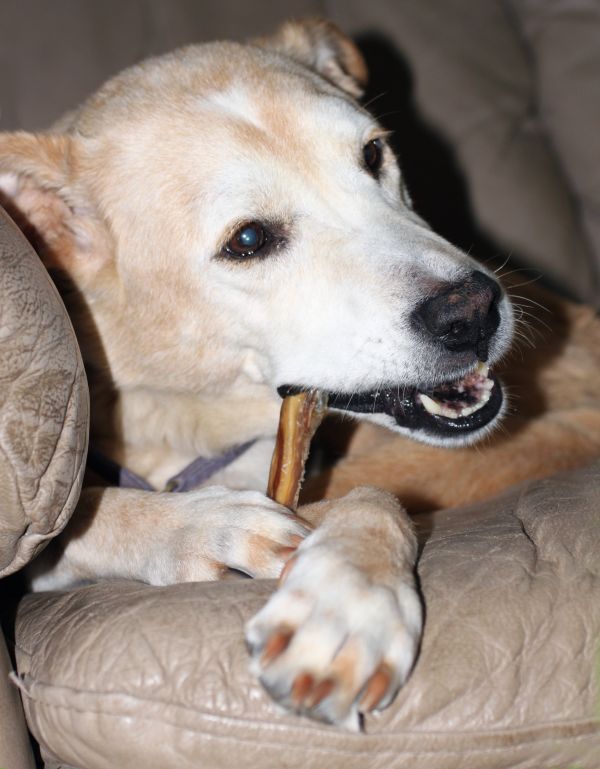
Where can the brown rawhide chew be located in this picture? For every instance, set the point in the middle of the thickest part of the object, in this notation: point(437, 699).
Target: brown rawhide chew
point(300, 416)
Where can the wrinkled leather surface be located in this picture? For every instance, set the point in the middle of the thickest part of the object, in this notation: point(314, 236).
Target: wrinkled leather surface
point(43, 405)
point(123, 674)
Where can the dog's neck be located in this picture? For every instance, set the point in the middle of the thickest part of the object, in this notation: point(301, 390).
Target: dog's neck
point(156, 433)
point(151, 429)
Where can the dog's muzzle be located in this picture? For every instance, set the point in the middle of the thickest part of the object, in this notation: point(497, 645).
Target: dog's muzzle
point(461, 320)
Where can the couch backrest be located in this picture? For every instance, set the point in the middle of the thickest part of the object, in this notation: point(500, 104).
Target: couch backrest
point(44, 405)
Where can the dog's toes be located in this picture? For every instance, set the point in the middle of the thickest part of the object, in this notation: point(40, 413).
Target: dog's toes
point(332, 649)
point(215, 530)
point(262, 537)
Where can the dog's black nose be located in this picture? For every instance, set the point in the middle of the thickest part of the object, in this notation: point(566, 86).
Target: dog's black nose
point(463, 316)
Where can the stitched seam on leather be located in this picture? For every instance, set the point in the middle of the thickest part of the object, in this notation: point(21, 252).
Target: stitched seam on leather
point(328, 750)
point(591, 725)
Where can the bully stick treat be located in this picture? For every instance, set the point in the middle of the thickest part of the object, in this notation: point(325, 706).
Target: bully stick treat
point(300, 416)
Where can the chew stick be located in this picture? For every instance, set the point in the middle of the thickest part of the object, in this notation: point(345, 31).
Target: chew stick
point(300, 416)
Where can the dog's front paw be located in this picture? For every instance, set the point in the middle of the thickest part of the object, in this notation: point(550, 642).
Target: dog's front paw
point(330, 644)
point(216, 529)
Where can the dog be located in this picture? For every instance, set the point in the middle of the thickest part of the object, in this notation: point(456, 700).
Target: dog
point(227, 225)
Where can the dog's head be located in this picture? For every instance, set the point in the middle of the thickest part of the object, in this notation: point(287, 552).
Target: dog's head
point(231, 215)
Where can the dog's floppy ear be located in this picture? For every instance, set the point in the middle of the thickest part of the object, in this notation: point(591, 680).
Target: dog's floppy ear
point(38, 188)
point(320, 45)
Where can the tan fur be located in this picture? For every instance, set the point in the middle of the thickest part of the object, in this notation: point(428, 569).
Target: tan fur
point(317, 39)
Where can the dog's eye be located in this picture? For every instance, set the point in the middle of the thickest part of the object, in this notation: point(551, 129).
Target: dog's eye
point(373, 156)
point(249, 239)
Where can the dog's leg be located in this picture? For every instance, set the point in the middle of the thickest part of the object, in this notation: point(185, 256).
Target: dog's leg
point(166, 538)
point(341, 634)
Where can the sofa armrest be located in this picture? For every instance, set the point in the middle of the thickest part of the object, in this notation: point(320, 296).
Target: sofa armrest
point(43, 405)
point(125, 674)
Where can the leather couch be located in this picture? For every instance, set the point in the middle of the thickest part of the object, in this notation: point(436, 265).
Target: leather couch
point(121, 674)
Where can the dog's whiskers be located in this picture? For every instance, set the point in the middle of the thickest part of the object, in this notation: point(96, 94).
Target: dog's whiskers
point(533, 318)
point(530, 300)
point(524, 327)
point(352, 394)
point(380, 118)
point(520, 269)
point(373, 99)
point(503, 265)
point(529, 319)
point(521, 336)
point(525, 282)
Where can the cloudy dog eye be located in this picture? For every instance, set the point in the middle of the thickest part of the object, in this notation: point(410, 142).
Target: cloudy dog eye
point(247, 240)
point(373, 156)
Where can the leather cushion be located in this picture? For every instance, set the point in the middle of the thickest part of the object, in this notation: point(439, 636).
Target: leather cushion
point(123, 674)
point(43, 405)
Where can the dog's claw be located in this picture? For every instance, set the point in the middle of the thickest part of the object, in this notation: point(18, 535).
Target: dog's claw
point(376, 688)
point(275, 645)
point(320, 692)
point(301, 688)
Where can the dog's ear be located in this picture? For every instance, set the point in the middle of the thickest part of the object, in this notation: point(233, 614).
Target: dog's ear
point(320, 45)
point(39, 190)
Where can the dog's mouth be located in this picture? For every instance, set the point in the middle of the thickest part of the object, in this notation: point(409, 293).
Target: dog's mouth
point(452, 408)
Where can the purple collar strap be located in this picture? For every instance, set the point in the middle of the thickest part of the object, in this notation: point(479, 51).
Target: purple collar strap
point(192, 476)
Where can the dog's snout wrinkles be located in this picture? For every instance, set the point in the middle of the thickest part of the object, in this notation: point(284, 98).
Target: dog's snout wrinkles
point(463, 316)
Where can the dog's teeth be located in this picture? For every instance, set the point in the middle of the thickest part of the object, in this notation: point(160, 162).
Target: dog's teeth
point(468, 410)
point(446, 411)
point(455, 412)
point(483, 369)
point(433, 407)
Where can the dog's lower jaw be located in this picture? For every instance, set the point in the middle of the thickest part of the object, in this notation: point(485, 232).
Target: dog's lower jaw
point(445, 442)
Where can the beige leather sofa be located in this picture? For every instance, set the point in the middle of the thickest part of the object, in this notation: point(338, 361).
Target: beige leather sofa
point(125, 675)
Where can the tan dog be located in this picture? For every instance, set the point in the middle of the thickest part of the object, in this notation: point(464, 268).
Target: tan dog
point(223, 222)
